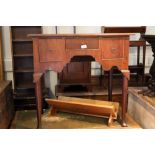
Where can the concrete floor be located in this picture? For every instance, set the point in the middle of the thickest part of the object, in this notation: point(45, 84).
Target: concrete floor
point(27, 120)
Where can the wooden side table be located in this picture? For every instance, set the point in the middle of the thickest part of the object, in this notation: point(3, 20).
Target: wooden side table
point(54, 51)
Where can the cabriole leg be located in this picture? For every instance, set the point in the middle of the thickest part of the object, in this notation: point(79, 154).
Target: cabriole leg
point(37, 80)
point(124, 100)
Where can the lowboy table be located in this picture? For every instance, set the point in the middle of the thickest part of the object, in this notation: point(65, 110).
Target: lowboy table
point(54, 51)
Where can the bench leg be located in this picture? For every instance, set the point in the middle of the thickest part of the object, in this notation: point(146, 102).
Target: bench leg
point(52, 112)
point(124, 100)
point(110, 121)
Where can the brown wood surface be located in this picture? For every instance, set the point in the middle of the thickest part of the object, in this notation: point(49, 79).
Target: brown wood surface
point(85, 106)
point(56, 57)
point(20, 32)
point(76, 73)
point(22, 58)
point(73, 36)
point(1, 57)
point(76, 43)
point(51, 53)
point(3, 86)
point(6, 104)
point(127, 29)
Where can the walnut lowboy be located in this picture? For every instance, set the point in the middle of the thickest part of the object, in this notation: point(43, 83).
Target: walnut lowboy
point(85, 106)
point(54, 51)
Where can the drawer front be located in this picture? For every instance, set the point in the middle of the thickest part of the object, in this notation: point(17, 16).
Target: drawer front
point(82, 43)
point(112, 49)
point(51, 50)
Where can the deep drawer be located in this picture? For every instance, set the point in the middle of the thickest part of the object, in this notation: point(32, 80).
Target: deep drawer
point(112, 49)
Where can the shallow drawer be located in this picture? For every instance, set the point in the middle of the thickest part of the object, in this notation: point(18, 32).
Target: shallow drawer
point(51, 50)
point(112, 49)
point(82, 43)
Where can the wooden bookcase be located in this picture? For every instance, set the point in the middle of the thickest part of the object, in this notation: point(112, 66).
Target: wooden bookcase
point(22, 52)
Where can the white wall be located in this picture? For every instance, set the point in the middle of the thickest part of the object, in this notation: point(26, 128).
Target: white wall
point(65, 29)
point(51, 77)
point(49, 29)
point(88, 29)
point(6, 43)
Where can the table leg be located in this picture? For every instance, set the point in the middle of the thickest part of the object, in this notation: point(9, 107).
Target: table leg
point(138, 63)
point(37, 80)
point(144, 54)
point(124, 100)
point(110, 86)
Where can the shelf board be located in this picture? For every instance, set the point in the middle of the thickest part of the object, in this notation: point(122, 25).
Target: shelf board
point(25, 70)
point(25, 97)
point(25, 86)
point(22, 40)
point(24, 55)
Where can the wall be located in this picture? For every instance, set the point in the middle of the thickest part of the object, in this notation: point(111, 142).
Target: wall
point(7, 56)
point(51, 77)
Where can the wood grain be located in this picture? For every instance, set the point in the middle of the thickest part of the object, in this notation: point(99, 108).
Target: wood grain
point(107, 49)
point(139, 68)
point(6, 104)
point(85, 107)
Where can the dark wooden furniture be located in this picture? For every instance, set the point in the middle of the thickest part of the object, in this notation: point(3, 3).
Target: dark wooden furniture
point(85, 106)
point(1, 57)
point(6, 104)
point(53, 52)
point(74, 75)
point(139, 69)
point(151, 83)
point(22, 52)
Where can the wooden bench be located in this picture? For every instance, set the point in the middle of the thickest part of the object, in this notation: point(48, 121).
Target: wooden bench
point(85, 106)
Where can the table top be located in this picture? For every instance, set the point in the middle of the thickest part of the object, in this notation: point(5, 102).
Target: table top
point(80, 35)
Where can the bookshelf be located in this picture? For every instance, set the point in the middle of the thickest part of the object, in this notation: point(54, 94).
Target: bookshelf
point(22, 53)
